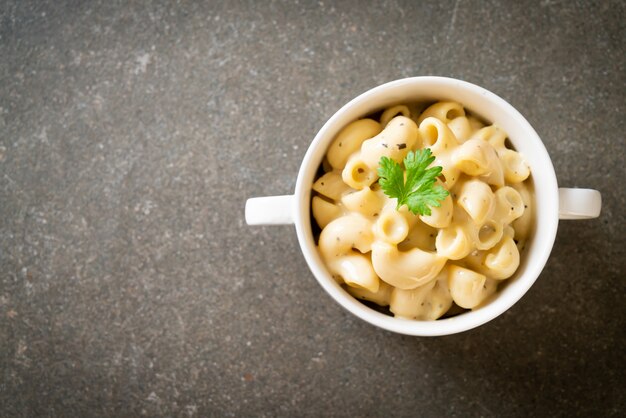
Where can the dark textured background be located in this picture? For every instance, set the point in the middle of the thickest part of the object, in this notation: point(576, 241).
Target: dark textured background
point(131, 135)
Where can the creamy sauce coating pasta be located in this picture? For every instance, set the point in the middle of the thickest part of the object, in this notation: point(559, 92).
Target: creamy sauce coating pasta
point(423, 267)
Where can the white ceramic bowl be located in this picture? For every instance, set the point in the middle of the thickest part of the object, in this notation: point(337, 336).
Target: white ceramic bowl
point(552, 203)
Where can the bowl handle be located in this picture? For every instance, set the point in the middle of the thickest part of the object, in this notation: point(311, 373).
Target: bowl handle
point(270, 210)
point(579, 203)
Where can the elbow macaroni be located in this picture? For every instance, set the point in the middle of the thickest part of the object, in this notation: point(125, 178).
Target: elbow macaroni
point(420, 266)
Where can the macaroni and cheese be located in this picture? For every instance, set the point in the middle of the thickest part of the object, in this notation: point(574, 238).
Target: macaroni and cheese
point(422, 266)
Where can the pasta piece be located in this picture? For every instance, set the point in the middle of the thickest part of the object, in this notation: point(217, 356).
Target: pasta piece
point(453, 242)
point(477, 158)
point(440, 300)
point(491, 134)
point(391, 227)
point(410, 303)
point(457, 240)
point(442, 143)
point(405, 270)
point(337, 245)
point(515, 167)
point(469, 288)
point(523, 224)
point(380, 297)
point(488, 235)
point(349, 140)
point(444, 111)
point(345, 234)
point(357, 174)
point(503, 259)
point(509, 205)
point(365, 202)
point(392, 112)
point(427, 302)
point(498, 263)
point(477, 199)
point(395, 141)
point(461, 128)
point(331, 185)
point(472, 159)
point(324, 212)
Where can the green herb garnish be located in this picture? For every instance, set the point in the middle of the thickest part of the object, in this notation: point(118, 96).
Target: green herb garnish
point(418, 191)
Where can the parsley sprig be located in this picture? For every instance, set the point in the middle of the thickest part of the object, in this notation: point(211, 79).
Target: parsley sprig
point(418, 191)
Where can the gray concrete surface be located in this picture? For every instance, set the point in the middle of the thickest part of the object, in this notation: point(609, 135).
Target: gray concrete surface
point(131, 134)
